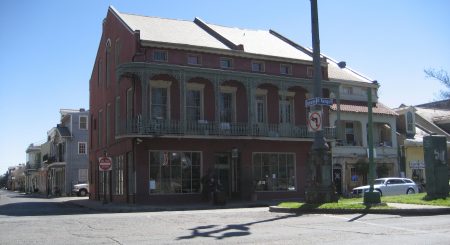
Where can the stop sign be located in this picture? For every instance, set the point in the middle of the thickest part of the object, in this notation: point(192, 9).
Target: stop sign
point(104, 163)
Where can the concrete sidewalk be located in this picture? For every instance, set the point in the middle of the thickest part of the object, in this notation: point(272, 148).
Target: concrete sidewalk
point(124, 207)
point(395, 208)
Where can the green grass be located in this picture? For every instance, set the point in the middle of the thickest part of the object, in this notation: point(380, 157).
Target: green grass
point(420, 198)
point(357, 203)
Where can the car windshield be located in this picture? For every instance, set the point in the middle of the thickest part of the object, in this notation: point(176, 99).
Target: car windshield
point(379, 182)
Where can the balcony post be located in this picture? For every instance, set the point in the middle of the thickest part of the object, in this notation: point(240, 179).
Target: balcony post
point(144, 77)
point(250, 87)
point(182, 81)
point(217, 99)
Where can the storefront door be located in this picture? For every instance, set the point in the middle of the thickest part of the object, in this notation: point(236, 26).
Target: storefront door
point(226, 171)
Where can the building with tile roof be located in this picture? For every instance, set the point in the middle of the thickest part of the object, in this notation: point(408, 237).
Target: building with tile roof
point(350, 115)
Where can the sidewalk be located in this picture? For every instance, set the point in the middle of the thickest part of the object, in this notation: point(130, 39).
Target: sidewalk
point(124, 207)
point(396, 208)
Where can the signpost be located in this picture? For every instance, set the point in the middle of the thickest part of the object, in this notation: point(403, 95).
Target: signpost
point(104, 165)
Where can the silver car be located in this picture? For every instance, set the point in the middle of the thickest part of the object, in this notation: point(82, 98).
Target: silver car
point(389, 187)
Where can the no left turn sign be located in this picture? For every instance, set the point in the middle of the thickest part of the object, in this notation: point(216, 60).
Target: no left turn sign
point(315, 121)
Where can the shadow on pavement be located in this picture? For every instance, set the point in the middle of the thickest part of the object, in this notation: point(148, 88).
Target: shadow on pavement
point(42, 209)
point(232, 230)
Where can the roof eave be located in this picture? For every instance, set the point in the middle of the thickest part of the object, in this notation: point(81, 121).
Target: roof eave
point(237, 53)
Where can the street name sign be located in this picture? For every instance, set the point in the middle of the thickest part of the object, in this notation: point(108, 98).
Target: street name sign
point(318, 101)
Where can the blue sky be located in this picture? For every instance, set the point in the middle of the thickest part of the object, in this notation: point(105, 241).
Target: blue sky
point(47, 49)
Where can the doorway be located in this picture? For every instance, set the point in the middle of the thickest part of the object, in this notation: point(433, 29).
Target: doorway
point(227, 173)
point(337, 178)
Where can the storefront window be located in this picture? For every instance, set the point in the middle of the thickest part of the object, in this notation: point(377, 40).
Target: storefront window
point(274, 171)
point(174, 172)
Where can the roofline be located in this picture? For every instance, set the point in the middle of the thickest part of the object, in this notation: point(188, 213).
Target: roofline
point(117, 14)
point(237, 53)
point(369, 80)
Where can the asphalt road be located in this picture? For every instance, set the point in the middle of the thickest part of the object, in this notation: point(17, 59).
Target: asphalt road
point(25, 220)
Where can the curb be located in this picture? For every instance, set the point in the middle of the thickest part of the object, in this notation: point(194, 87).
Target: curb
point(397, 211)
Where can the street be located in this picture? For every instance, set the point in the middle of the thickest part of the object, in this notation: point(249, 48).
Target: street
point(26, 220)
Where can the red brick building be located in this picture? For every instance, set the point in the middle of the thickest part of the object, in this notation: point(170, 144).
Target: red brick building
point(174, 101)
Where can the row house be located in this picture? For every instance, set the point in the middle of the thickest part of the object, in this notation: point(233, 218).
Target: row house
point(64, 156)
point(413, 123)
point(33, 157)
point(350, 115)
point(175, 103)
point(16, 178)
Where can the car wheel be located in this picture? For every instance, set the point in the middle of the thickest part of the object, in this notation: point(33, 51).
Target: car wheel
point(410, 191)
point(83, 193)
point(381, 193)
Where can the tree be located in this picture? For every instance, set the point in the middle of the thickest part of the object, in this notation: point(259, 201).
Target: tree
point(441, 76)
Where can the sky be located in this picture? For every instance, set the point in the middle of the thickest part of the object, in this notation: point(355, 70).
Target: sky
point(48, 48)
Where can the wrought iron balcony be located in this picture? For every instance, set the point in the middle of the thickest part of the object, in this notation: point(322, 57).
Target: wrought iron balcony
point(203, 128)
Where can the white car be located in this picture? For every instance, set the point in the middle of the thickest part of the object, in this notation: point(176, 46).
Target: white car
point(389, 187)
point(80, 189)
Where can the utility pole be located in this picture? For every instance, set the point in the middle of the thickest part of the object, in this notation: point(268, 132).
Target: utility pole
point(370, 197)
point(319, 186)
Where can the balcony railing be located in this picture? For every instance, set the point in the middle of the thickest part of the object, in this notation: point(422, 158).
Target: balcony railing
point(137, 126)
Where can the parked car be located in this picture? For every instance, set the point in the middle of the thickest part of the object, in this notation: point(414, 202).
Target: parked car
point(81, 189)
point(389, 186)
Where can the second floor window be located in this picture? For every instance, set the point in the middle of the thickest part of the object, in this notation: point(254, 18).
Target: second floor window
point(159, 103)
point(83, 122)
point(286, 110)
point(261, 108)
point(82, 148)
point(226, 107)
point(193, 105)
point(349, 133)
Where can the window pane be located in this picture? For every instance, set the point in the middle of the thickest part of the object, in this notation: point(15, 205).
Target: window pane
point(174, 172)
point(159, 103)
point(226, 107)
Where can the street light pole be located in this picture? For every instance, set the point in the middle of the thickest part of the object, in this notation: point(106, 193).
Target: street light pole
point(370, 197)
point(319, 187)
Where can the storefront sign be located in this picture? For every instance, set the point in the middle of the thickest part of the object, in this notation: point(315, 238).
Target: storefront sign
point(417, 165)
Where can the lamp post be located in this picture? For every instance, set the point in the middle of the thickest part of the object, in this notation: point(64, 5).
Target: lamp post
point(319, 188)
point(371, 197)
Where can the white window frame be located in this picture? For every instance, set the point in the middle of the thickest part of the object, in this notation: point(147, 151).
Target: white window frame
point(261, 92)
point(197, 87)
point(289, 97)
point(79, 123)
point(232, 91)
point(160, 84)
point(85, 148)
point(310, 72)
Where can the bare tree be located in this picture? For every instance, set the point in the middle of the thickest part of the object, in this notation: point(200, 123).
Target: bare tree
point(441, 76)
